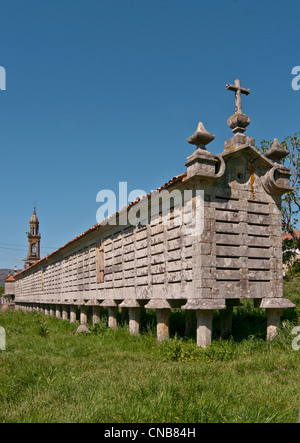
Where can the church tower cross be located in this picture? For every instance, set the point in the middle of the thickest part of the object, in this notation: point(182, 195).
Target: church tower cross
point(238, 94)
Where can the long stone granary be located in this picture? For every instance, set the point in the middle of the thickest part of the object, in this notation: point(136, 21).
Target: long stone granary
point(219, 241)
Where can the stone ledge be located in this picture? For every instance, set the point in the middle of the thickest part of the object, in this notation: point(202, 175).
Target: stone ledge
point(93, 302)
point(276, 303)
point(158, 304)
point(109, 304)
point(132, 303)
point(205, 304)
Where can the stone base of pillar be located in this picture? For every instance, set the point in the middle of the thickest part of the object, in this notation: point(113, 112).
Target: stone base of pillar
point(73, 314)
point(273, 321)
point(163, 324)
point(274, 308)
point(204, 328)
point(65, 312)
point(163, 312)
point(96, 314)
point(133, 309)
point(134, 320)
point(58, 311)
point(112, 317)
point(83, 315)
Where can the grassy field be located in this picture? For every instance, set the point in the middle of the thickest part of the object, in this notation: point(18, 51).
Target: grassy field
point(50, 374)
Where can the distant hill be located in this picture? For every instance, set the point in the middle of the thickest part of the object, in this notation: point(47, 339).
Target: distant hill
point(3, 274)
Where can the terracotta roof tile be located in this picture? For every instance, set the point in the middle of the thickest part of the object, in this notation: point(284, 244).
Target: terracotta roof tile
point(289, 236)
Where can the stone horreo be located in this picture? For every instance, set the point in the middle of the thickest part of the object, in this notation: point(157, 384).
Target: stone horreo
point(236, 255)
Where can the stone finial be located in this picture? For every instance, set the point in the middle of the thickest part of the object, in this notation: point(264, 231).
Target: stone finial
point(201, 137)
point(276, 153)
point(201, 162)
point(239, 121)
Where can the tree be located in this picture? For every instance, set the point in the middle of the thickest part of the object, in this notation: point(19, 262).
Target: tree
point(291, 200)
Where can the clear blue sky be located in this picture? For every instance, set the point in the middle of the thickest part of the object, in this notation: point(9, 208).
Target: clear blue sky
point(102, 91)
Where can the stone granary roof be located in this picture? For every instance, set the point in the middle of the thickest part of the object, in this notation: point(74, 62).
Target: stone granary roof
point(10, 279)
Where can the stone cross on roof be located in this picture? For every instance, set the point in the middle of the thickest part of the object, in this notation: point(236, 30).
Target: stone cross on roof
point(238, 94)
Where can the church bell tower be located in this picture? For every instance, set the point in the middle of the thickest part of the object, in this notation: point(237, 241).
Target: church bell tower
point(34, 240)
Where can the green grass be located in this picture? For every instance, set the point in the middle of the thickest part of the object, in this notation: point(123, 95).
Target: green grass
point(50, 374)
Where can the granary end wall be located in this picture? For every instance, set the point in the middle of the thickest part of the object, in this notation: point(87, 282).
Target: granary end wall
point(10, 288)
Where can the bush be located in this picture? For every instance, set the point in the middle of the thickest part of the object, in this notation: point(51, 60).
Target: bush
point(43, 330)
point(187, 351)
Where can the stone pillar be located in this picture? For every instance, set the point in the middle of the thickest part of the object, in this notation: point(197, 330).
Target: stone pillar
point(189, 321)
point(58, 311)
point(51, 311)
point(134, 320)
point(205, 312)
point(274, 308)
point(204, 327)
point(73, 314)
point(46, 309)
point(112, 317)
point(273, 320)
point(96, 314)
point(112, 307)
point(163, 311)
point(134, 308)
point(163, 324)
point(65, 312)
point(83, 315)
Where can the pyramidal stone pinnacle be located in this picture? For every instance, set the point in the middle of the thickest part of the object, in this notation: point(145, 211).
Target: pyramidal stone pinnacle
point(276, 153)
point(201, 137)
